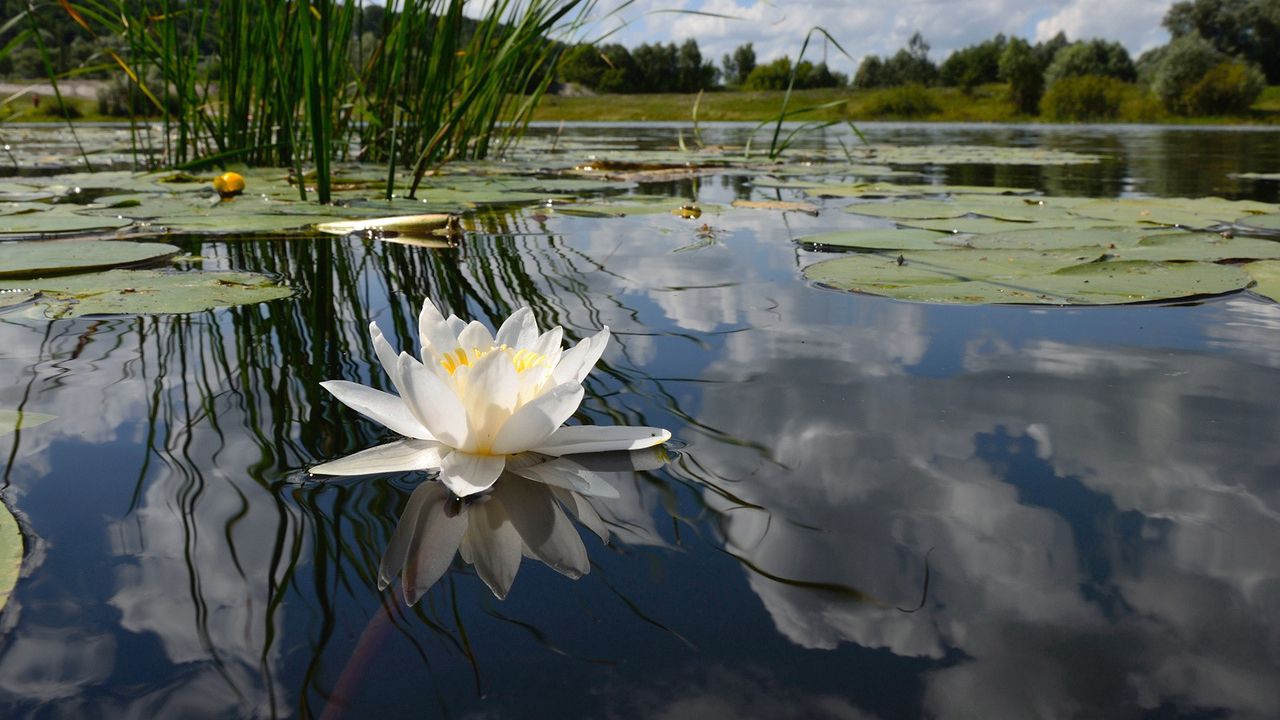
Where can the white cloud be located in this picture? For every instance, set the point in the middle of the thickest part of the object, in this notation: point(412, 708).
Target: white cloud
point(878, 27)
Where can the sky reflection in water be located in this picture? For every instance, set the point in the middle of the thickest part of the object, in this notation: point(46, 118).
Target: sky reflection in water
point(1094, 490)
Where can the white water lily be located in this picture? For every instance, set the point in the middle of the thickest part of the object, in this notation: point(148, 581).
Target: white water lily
point(473, 400)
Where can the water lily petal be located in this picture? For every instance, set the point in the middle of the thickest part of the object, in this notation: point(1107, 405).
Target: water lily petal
point(380, 407)
point(467, 473)
point(518, 331)
point(534, 422)
point(434, 332)
point(398, 456)
point(493, 546)
point(475, 336)
point(436, 537)
point(456, 325)
point(398, 547)
point(433, 402)
point(548, 343)
point(386, 355)
point(547, 533)
point(564, 473)
point(577, 361)
point(583, 511)
point(600, 438)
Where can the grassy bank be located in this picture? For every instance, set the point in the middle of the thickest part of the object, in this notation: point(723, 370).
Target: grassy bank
point(987, 103)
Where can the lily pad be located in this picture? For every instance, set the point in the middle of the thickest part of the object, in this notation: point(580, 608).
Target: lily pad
point(988, 225)
point(879, 239)
point(11, 552)
point(1194, 214)
point(9, 298)
point(34, 258)
point(1209, 247)
point(974, 277)
point(1262, 222)
point(11, 420)
point(133, 292)
point(783, 205)
point(1267, 275)
point(1057, 238)
point(58, 221)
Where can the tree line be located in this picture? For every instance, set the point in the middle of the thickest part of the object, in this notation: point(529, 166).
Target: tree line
point(1220, 56)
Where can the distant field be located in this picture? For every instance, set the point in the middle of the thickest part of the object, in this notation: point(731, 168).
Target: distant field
point(987, 103)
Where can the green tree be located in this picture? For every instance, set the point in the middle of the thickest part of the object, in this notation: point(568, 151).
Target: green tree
point(1183, 63)
point(692, 74)
point(1086, 98)
point(973, 65)
point(910, 65)
point(1229, 88)
point(1020, 67)
point(1092, 57)
point(739, 65)
point(658, 66)
point(622, 75)
point(1249, 29)
point(870, 73)
point(582, 64)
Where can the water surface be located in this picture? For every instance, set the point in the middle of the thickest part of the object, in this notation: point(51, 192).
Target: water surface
point(877, 509)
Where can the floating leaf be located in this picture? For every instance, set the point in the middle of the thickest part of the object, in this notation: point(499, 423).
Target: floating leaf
point(975, 277)
point(783, 205)
point(58, 221)
point(1057, 238)
point(909, 209)
point(880, 239)
point(1209, 247)
point(990, 225)
point(1262, 222)
point(9, 298)
point(1256, 176)
point(400, 223)
point(11, 420)
point(1267, 275)
point(11, 552)
point(117, 292)
point(1195, 214)
point(33, 258)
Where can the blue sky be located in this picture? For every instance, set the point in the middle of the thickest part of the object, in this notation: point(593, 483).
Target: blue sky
point(878, 26)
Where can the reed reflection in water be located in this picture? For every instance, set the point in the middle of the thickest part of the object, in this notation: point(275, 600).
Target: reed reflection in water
point(189, 557)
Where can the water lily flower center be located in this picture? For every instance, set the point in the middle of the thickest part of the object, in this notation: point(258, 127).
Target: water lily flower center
point(523, 360)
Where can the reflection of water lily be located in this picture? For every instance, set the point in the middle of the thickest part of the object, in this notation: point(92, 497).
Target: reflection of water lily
point(518, 518)
point(474, 400)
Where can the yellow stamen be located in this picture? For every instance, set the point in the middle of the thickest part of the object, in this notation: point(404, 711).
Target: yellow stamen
point(523, 360)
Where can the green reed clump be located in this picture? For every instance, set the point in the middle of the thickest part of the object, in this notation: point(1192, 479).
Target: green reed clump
point(287, 83)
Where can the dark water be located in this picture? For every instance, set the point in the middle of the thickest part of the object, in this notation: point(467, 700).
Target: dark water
point(1084, 503)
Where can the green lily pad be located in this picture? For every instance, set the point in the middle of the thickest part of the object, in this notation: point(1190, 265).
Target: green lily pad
point(1256, 176)
point(1194, 214)
point(9, 298)
point(57, 221)
point(975, 277)
point(34, 258)
point(11, 420)
point(1267, 275)
point(1057, 238)
point(11, 552)
point(134, 292)
point(895, 190)
point(1210, 247)
point(1262, 222)
point(970, 155)
point(909, 209)
point(988, 225)
point(879, 239)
